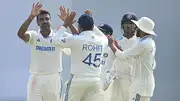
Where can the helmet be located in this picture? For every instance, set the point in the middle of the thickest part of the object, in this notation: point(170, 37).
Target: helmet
point(128, 17)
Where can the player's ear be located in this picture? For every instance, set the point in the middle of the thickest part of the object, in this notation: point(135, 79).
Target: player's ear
point(122, 29)
point(79, 28)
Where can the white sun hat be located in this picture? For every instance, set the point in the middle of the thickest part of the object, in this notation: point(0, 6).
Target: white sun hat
point(146, 25)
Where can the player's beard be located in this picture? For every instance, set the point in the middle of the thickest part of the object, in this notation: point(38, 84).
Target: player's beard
point(129, 33)
point(45, 31)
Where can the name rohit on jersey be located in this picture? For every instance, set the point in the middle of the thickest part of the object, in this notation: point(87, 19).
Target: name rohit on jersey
point(87, 47)
point(45, 48)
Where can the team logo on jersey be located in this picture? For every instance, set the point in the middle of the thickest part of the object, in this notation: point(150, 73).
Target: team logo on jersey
point(105, 55)
point(38, 40)
point(45, 48)
point(51, 41)
point(64, 40)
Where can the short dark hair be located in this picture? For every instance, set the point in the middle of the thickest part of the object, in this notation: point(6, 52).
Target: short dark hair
point(44, 12)
point(86, 22)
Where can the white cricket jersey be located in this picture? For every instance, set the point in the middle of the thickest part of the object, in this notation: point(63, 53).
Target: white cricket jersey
point(123, 67)
point(86, 51)
point(108, 60)
point(46, 58)
point(142, 73)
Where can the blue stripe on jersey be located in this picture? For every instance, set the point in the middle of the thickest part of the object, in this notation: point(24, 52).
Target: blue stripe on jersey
point(68, 88)
point(145, 37)
point(120, 38)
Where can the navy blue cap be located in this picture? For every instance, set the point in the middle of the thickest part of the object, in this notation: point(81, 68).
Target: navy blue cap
point(128, 17)
point(106, 29)
point(86, 21)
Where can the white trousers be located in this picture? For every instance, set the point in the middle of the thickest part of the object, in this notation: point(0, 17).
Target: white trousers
point(83, 89)
point(44, 87)
point(120, 90)
point(141, 92)
point(107, 93)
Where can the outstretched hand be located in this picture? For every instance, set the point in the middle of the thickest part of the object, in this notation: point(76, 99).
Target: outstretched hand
point(69, 19)
point(113, 44)
point(63, 13)
point(111, 40)
point(36, 9)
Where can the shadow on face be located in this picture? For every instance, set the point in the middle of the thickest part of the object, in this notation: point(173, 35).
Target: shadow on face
point(129, 28)
point(141, 33)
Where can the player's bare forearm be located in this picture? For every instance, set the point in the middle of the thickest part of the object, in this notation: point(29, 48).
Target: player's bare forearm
point(65, 25)
point(119, 48)
point(73, 29)
point(24, 27)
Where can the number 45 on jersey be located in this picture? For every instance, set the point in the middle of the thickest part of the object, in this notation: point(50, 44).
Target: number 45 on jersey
point(93, 59)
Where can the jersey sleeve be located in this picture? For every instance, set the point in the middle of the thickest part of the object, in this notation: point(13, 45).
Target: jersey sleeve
point(136, 50)
point(63, 38)
point(32, 36)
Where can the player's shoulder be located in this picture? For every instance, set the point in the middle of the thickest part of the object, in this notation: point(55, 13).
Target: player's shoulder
point(103, 39)
point(78, 37)
point(83, 37)
point(147, 42)
point(31, 32)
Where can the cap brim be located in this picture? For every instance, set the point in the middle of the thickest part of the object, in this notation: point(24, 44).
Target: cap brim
point(152, 33)
point(135, 22)
point(149, 32)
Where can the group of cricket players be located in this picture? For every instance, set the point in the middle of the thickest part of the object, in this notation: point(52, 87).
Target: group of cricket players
point(99, 62)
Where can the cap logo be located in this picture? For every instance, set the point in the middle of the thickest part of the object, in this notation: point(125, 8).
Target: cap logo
point(129, 16)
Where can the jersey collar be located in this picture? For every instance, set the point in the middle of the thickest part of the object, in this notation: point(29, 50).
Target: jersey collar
point(50, 35)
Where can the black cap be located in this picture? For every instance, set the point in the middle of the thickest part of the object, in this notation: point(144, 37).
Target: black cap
point(86, 21)
point(128, 17)
point(106, 29)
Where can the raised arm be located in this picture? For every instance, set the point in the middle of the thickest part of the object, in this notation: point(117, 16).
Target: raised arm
point(36, 8)
point(63, 38)
point(73, 29)
point(95, 29)
point(63, 14)
point(127, 54)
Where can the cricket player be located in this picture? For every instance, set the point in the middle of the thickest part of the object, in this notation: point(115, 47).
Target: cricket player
point(45, 81)
point(107, 30)
point(122, 68)
point(107, 62)
point(86, 55)
point(108, 56)
point(144, 54)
